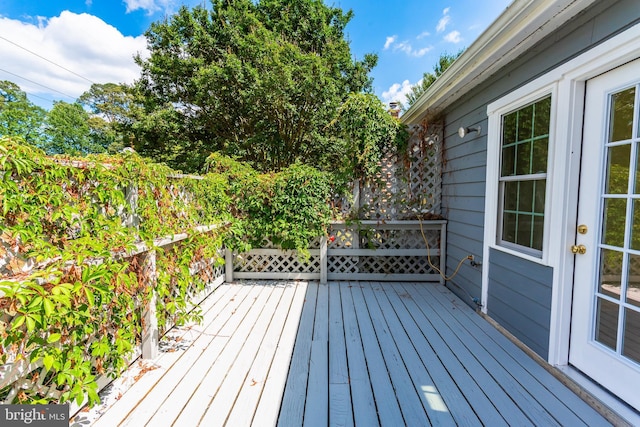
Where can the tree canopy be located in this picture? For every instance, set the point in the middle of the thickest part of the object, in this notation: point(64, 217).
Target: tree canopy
point(257, 80)
point(18, 116)
point(428, 78)
point(69, 128)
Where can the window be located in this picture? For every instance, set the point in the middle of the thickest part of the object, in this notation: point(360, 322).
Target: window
point(523, 176)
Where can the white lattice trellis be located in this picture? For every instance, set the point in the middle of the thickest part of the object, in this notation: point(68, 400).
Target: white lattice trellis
point(408, 184)
point(367, 250)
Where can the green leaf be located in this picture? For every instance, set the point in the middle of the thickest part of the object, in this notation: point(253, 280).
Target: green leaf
point(49, 307)
point(48, 361)
point(18, 321)
point(90, 297)
point(31, 323)
point(54, 338)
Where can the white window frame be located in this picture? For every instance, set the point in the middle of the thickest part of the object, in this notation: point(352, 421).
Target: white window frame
point(567, 84)
point(518, 178)
point(493, 207)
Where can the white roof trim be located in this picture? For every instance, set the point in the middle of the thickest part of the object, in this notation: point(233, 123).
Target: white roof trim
point(523, 24)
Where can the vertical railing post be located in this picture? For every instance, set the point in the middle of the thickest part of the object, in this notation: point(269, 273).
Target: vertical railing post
point(228, 268)
point(131, 196)
point(150, 334)
point(323, 259)
point(443, 253)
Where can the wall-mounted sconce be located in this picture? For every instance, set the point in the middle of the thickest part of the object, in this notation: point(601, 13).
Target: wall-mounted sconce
point(463, 131)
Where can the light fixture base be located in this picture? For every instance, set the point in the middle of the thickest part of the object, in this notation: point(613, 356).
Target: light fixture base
point(464, 131)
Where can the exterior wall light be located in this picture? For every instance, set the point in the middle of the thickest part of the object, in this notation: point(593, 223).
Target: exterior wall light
point(467, 130)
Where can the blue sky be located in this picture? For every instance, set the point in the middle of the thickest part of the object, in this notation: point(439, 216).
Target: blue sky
point(54, 49)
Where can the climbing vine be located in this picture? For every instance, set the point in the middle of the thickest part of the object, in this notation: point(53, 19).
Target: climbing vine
point(71, 296)
point(73, 279)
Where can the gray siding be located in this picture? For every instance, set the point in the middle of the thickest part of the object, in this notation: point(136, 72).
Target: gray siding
point(520, 298)
point(520, 305)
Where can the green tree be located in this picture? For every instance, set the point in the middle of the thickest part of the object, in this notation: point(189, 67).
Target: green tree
point(114, 112)
point(258, 80)
point(18, 116)
point(67, 131)
point(367, 132)
point(428, 79)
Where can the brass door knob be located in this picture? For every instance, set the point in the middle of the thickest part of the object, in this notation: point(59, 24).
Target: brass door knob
point(579, 249)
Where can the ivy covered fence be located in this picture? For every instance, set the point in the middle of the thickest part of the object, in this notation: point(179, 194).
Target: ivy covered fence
point(77, 234)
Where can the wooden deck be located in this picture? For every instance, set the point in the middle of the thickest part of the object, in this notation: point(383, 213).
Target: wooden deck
point(365, 354)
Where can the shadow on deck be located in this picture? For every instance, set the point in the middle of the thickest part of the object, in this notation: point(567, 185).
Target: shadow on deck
point(346, 353)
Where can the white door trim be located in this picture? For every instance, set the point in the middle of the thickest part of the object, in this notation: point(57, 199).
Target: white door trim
point(569, 80)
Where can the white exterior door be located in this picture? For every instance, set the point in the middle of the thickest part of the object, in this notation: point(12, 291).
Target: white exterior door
point(605, 325)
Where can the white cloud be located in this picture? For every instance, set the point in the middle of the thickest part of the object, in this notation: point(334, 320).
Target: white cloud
point(442, 23)
point(150, 6)
point(423, 35)
point(390, 41)
point(405, 47)
point(168, 7)
point(446, 10)
point(422, 52)
point(453, 37)
point(397, 92)
point(81, 43)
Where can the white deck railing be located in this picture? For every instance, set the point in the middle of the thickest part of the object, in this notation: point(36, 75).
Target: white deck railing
point(366, 250)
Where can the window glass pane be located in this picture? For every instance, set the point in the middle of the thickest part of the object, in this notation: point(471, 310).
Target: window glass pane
point(542, 117)
point(540, 154)
point(607, 323)
point(509, 224)
point(635, 227)
point(523, 158)
point(523, 236)
point(637, 183)
point(618, 169)
point(610, 273)
point(614, 219)
point(540, 188)
point(633, 281)
point(508, 160)
point(525, 202)
point(509, 123)
point(511, 196)
point(525, 123)
point(631, 339)
point(622, 114)
point(538, 232)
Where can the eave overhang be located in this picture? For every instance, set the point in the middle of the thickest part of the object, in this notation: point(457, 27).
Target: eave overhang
point(523, 24)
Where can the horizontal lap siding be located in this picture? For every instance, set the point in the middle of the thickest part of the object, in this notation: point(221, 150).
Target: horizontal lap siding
point(463, 190)
point(523, 307)
point(520, 298)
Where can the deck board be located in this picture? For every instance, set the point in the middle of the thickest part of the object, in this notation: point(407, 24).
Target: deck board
point(364, 407)
point(539, 382)
point(457, 382)
point(340, 354)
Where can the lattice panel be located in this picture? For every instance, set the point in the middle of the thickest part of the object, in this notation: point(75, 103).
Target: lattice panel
point(268, 244)
point(408, 185)
point(343, 264)
point(342, 238)
point(397, 265)
point(382, 239)
point(259, 262)
point(398, 239)
point(208, 270)
point(382, 264)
